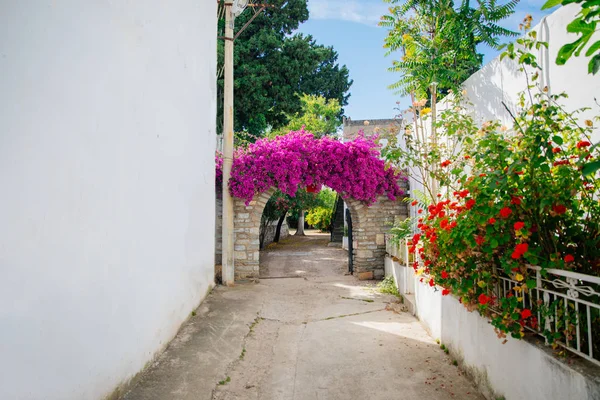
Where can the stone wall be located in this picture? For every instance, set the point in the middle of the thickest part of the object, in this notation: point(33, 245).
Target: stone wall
point(369, 225)
point(369, 127)
point(246, 223)
point(272, 228)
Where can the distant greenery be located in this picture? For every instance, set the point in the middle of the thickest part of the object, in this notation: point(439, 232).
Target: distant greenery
point(319, 218)
point(317, 115)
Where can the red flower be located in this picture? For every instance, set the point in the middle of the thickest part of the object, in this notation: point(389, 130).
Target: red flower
point(483, 299)
point(446, 163)
point(431, 282)
point(526, 313)
point(463, 193)
point(414, 203)
point(556, 150)
point(444, 275)
point(416, 238)
point(569, 258)
point(482, 175)
point(467, 157)
point(515, 201)
point(520, 249)
point(469, 204)
point(445, 292)
point(427, 263)
point(583, 143)
point(492, 221)
point(559, 209)
point(479, 240)
point(519, 225)
point(419, 211)
point(505, 212)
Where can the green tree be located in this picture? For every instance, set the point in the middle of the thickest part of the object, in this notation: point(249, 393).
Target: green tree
point(438, 45)
point(272, 64)
point(318, 115)
point(438, 41)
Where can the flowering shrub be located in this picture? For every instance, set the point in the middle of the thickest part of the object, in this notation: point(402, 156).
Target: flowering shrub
point(521, 200)
point(353, 169)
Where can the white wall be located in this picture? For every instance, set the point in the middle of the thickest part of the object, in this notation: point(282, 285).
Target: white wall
point(501, 81)
point(517, 370)
point(107, 138)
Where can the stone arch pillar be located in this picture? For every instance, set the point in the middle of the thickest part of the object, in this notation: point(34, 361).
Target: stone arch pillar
point(369, 226)
point(246, 228)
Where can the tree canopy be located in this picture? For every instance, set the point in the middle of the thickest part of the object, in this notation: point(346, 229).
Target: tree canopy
point(318, 115)
point(438, 40)
point(273, 65)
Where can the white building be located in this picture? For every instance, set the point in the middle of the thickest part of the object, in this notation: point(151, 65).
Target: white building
point(107, 137)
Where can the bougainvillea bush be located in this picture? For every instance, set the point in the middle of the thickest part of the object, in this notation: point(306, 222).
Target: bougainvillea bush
point(520, 200)
point(353, 169)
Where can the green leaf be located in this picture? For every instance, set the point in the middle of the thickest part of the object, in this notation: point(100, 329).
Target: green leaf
point(531, 283)
point(545, 168)
point(591, 168)
point(565, 53)
point(594, 65)
point(557, 139)
point(494, 243)
point(551, 3)
point(593, 48)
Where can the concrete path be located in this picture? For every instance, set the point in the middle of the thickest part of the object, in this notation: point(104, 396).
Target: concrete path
point(306, 331)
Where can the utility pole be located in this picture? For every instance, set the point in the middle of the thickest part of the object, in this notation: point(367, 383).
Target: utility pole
point(232, 9)
point(228, 235)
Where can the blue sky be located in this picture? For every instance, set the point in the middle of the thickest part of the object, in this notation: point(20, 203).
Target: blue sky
point(350, 26)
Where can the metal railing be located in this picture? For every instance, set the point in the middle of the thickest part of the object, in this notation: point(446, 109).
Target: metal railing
point(566, 304)
point(567, 307)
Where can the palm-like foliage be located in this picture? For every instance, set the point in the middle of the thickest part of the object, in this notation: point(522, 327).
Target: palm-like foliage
point(438, 41)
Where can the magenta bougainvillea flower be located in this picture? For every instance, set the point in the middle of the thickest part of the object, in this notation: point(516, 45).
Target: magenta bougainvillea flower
point(298, 159)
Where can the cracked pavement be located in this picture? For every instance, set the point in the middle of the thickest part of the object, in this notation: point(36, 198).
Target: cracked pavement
point(310, 332)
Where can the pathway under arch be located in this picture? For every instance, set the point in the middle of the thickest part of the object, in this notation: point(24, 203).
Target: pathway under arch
point(370, 223)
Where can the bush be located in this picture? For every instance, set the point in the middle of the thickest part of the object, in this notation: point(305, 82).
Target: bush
point(319, 218)
point(520, 200)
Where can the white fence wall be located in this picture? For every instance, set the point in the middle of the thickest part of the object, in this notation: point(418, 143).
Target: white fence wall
point(107, 138)
point(517, 369)
point(500, 81)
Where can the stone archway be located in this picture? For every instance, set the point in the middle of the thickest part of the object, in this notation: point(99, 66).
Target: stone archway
point(370, 225)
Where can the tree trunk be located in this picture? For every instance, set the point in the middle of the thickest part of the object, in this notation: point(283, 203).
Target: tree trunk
point(300, 231)
point(278, 230)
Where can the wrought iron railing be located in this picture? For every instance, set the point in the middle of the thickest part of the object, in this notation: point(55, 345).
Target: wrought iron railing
point(567, 307)
point(566, 304)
